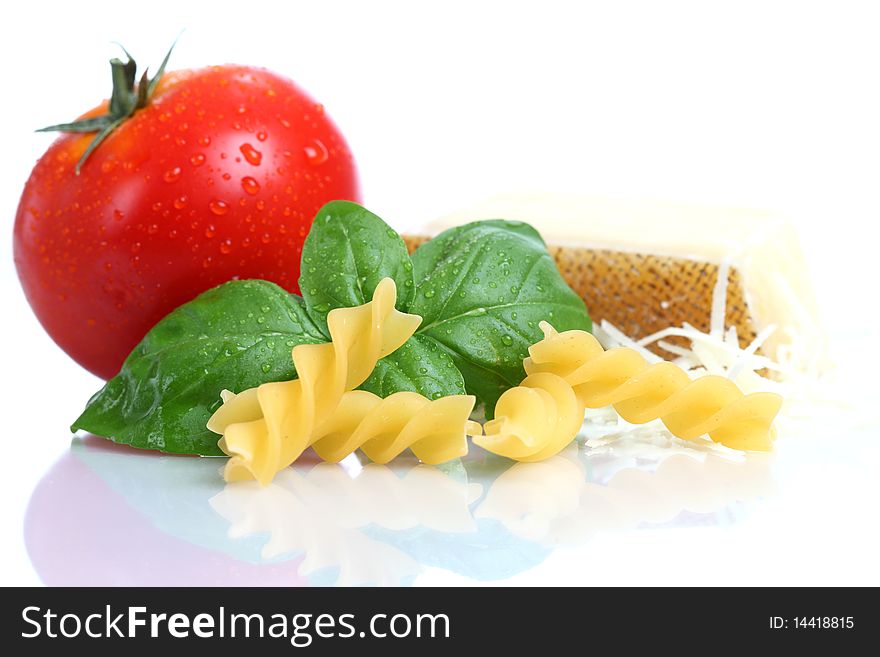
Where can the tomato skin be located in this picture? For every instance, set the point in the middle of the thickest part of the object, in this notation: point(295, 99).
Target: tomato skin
point(218, 178)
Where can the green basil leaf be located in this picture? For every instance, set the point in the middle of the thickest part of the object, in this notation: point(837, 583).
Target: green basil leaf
point(235, 336)
point(421, 366)
point(347, 252)
point(481, 290)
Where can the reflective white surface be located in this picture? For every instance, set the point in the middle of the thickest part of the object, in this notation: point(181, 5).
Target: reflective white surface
point(105, 514)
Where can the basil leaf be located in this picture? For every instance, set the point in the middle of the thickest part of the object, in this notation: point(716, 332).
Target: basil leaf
point(347, 252)
point(235, 336)
point(481, 290)
point(421, 366)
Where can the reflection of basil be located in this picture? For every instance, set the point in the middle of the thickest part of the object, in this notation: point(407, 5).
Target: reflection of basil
point(236, 336)
point(481, 290)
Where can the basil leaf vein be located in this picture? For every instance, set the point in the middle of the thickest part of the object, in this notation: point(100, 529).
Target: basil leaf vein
point(482, 289)
point(347, 252)
point(235, 336)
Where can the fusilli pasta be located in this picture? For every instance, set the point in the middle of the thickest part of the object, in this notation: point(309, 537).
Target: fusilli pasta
point(570, 371)
point(266, 428)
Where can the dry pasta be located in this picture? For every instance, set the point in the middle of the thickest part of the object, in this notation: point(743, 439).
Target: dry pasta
point(570, 371)
point(383, 428)
point(267, 428)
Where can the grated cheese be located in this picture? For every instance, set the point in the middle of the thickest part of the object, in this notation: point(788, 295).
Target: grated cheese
point(807, 394)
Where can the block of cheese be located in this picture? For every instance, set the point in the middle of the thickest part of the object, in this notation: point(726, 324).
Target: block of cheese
point(645, 266)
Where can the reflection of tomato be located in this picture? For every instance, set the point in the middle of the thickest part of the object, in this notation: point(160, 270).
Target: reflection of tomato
point(108, 542)
point(218, 177)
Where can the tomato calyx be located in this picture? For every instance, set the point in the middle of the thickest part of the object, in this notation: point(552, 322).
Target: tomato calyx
point(128, 96)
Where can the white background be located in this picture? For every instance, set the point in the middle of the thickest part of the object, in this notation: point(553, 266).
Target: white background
point(765, 104)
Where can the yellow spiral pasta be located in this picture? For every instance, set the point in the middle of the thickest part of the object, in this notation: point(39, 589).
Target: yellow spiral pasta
point(435, 430)
point(267, 428)
point(570, 371)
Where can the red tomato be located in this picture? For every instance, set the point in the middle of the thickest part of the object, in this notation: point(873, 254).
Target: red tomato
point(218, 178)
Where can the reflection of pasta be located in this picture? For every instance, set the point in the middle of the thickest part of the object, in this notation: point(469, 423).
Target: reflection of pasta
point(319, 510)
point(570, 371)
point(550, 502)
point(266, 428)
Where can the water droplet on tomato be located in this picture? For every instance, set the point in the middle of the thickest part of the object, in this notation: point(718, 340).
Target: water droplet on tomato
point(118, 215)
point(283, 121)
point(226, 246)
point(316, 152)
point(135, 247)
point(207, 262)
point(172, 175)
point(261, 135)
point(205, 141)
point(251, 154)
point(218, 207)
point(319, 108)
point(180, 202)
point(210, 231)
point(266, 238)
point(250, 185)
point(152, 229)
point(197, 160)
point(227, 176)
